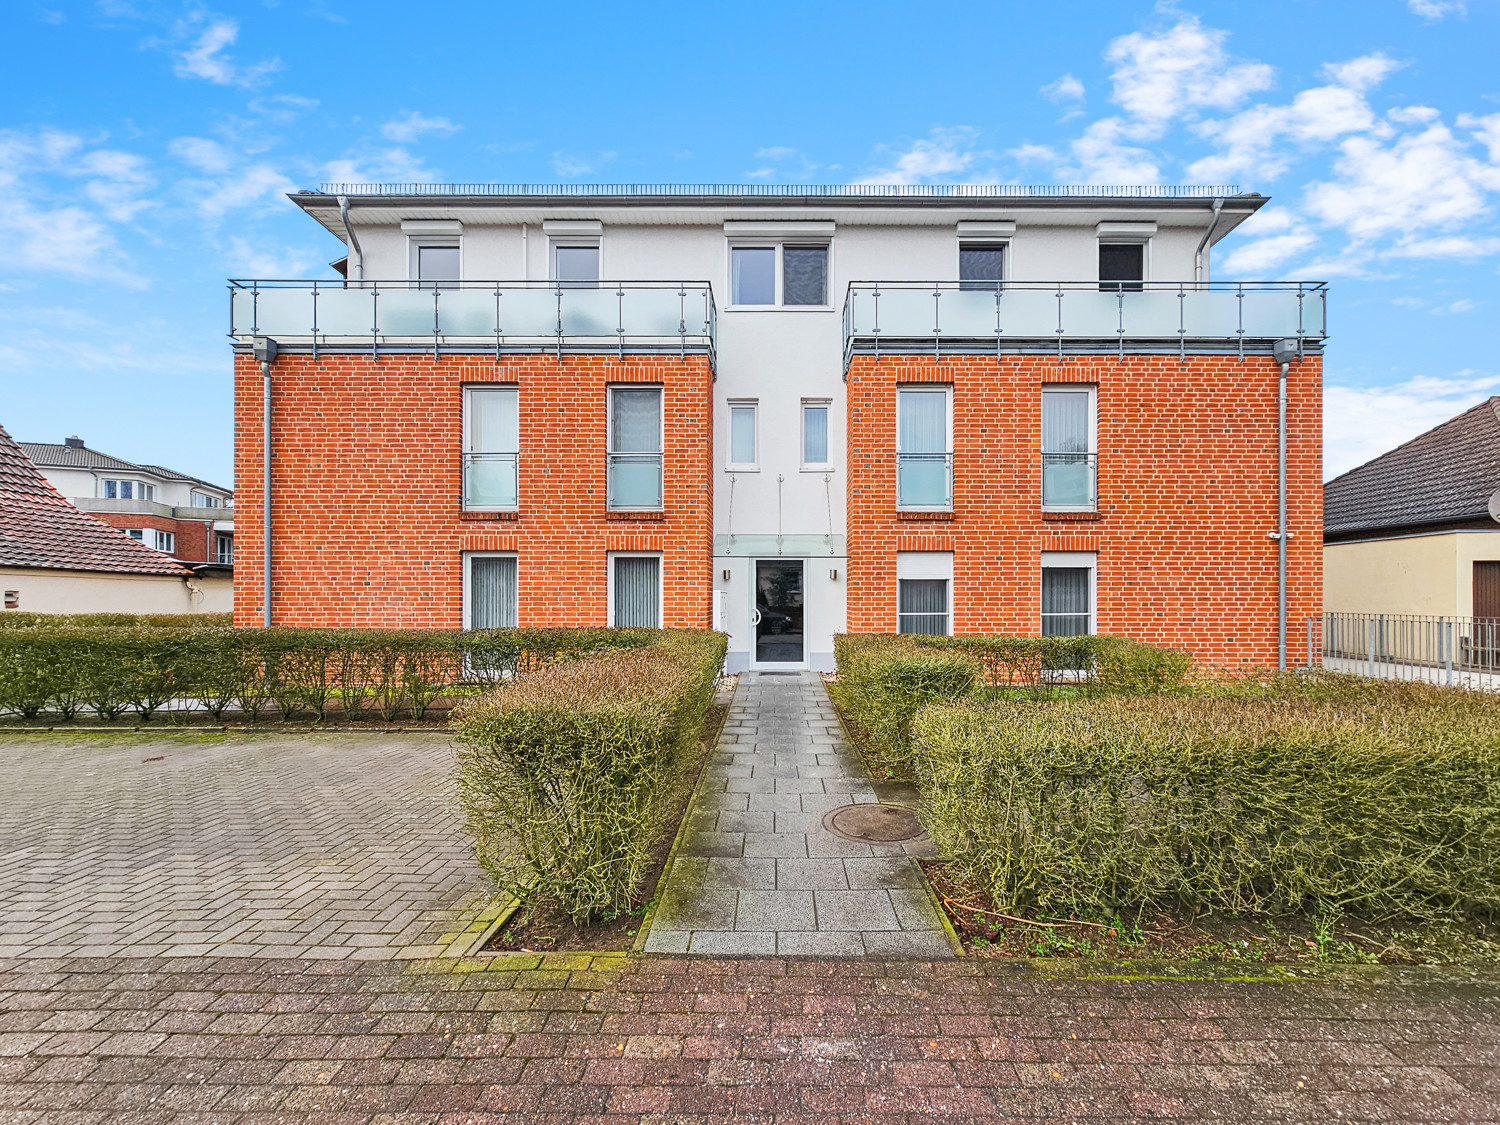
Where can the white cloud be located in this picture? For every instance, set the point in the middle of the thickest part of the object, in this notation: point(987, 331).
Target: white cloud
point(776, 152)
point(1065, 89)
point(413, 127)
point(1361, 423)
point(1437, 9)
point(229, 182)
point(945, 152)
point(205, 57)
point(247, 259)
point(1277, 235)
point(390, 165)
point(1173, 73)
point(282, 107)
point(567, 166)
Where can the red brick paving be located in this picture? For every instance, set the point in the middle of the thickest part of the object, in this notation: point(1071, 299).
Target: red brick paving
point(659, 1040)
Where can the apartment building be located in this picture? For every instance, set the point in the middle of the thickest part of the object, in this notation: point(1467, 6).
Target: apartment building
point(171, 512)
point(783, 412)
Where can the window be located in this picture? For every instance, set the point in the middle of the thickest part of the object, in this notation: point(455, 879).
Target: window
point(742, 436)
point(145, 491)
point(980, 264)
point(492, 448)
point(803, 275)
point(1122, 266)
point(159, 540)
point(575, 263)
point(924, 581)
point(202, 500)
point(635, 591)
point(136, 533)
point(1069, 464)
point(119, 490)
point(1068, 582)
point(437, 266)
point(815, 435)
point(924, 459)
point(489, 591)
point(635, 453)
point(224, 549)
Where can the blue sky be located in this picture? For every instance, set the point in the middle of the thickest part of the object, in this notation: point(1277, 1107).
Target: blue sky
point(146, 146)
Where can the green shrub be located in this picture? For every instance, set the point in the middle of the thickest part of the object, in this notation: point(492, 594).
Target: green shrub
point(1375, 798)
point(564, 771)
point(884, 681)
point(21, 619)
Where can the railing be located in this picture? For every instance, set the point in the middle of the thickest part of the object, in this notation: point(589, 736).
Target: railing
point(477, 315)
point(635, 481)
point(924, 480)
point(1070, 480)
point(1445, 650)
point(492, 480)
point(224, 556)
point(898, 315)
point(848, 191)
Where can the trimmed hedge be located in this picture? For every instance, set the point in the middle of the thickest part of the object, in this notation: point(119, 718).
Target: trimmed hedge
point(21, 619)
point(1372, 798)
point(114, 670)
point(885, 678)
point(566, 774)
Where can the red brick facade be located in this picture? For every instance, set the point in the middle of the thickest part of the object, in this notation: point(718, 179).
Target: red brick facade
point(1187, 497)
point(368, 527)
point(193, 538)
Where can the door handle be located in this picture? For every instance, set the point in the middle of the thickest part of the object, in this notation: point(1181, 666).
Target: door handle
point(756, 619)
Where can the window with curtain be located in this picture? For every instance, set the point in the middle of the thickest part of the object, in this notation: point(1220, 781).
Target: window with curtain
point(815, 433)
point(1066, 596)
point(742, 433)
point(437, 265)
point(637, 591)
point(492, 447)
point(923, 478)
point(635, 453)
point(804, 275)
point(492, 592)
point(922, 606)
point(1068, 465)
point(980, 264)
point(753, 280)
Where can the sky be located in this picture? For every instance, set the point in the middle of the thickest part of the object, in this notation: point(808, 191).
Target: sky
point(146, 148)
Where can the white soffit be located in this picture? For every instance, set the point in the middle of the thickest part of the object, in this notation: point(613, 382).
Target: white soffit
point(735, 228)
point(431, 226)
point(1127, 228)
point(572, 226)
point(986, 230)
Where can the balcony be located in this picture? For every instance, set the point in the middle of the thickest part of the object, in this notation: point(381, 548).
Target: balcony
point(476, 316)
point(492, 481)
point(1070, 482)
point(1235, 317)
point(924, 481)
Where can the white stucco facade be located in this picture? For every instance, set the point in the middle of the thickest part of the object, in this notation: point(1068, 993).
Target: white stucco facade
point(76, 591)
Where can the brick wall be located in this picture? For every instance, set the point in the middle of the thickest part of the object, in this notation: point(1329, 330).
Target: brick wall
point(1187, 495)
point(366, 484)
point(194, 540)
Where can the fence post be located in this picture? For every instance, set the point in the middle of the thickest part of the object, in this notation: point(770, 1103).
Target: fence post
point(1448, 650)
point(1370, 647)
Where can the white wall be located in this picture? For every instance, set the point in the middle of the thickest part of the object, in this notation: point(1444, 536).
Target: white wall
point(71, 591)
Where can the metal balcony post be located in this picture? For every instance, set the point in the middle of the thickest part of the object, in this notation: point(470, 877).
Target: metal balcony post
point(1120, 330)
point(497, 322)
point(937, 326)
point(315, 320)
point(1239, 301)
point(436, 292)
point(1181, 324)
point(620, 319)
point(682, 322)
point(559, 324)
point(375, 320)
point(1059, 322)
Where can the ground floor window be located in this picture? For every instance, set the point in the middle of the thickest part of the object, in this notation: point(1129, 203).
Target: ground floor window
point(635, 591)
point(924, 592)
point(490, 591)
point(1068, 581)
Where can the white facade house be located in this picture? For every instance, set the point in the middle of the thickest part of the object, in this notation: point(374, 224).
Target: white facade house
point(789, 271)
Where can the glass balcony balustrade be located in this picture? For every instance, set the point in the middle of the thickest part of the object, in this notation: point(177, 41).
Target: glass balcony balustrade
point(491, 480)
point(1070, 481)
point(635, 481)
point(924, 480)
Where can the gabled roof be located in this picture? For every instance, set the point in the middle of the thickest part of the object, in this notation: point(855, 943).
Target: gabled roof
point(1445, 476)
point(38, 528)
point(81, 457)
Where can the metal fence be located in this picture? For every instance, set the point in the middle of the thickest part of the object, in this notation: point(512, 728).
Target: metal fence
point(1462, 651)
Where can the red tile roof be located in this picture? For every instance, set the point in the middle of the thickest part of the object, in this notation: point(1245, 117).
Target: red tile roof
point(38, 528)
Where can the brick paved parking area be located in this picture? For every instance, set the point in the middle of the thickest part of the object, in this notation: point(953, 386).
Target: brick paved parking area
point(612, 1040)
point(336, 845)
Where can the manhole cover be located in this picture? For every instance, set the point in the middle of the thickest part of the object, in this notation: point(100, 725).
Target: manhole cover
point(880, 824)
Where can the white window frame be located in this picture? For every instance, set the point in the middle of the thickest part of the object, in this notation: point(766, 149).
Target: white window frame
point(136, 533)
point(577, 242)
point(198, 499)
point(220, 539)
point(1092, 390)
point(415, 242)
point(779, 244)
point(973, 240)
point(947, 391)
point(1089, 559)
point(609, 582)
point(751, 466)
point(924, 566)
point(1142, 240)
point(468, 582)
point(661, 440)
point(166, 542)
point(826, 404)
point(468, 445)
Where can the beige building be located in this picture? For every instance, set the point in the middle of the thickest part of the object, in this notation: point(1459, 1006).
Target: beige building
point(1413, 531)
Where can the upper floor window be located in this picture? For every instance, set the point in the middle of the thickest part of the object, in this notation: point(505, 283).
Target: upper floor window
point(203, 500)
point(438, 266)
point(980, 264)
point(492, 447)
point(224, 548)
point(924, 450)
point(575, 263)
point(815, 434)
point(1069, 462)
point(788, 275)
point(742, 435)
point(635, 448)
point(1122, 266)
point(129, 490)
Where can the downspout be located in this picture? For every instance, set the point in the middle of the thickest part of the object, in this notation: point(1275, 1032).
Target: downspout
point(1283, 352)
point(359, 254)
point(265, 351)
point(1198, 270)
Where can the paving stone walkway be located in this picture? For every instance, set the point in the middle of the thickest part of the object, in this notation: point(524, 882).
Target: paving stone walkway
point(656, 1040)
point(759, 872)
point(335, 845)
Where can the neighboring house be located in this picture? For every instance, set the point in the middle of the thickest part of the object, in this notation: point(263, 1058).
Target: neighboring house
point(1414, 531)
point(174, 513)
point(56, 559)
point(784, 412)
